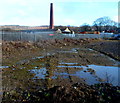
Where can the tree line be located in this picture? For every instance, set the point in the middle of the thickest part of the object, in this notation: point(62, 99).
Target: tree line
point(102, 24)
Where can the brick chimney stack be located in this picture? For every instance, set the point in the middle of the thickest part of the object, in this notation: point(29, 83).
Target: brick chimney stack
point(51, 16)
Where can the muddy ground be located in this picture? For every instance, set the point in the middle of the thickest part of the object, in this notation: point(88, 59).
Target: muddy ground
point(107, 47)
point(51, 63)
point(16, 51)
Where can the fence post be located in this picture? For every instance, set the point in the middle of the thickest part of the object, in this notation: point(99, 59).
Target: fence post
point(34, 37)
point(20, 36)
point(2, 35)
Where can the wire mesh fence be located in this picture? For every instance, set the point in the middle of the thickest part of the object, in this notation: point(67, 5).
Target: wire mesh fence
point(43, 35)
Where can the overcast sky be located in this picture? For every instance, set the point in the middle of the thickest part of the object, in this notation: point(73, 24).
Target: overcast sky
point(66, 12)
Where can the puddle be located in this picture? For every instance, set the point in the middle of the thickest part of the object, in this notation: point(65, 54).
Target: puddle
point(13, 68)
point(39, 73)
point(94, 73)
point(90, 49)
point(64, 75)
point(71, 69)
point(73, 50)
point(102, 74)
point(68, 52)
point(63, 66)
point(1, 67)
point(91, 73)
point(68, 63)
point(40, 57)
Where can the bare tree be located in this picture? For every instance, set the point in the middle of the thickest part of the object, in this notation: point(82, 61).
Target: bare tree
point(104, 23)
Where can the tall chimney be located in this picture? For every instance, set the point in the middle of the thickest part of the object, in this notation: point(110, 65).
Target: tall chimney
point(51, 16)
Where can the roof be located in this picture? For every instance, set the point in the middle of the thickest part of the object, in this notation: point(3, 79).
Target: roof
point(59, 31)
point(66, 30)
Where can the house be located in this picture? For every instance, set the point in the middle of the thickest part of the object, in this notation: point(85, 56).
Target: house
point(67, 31)
point(58, 31)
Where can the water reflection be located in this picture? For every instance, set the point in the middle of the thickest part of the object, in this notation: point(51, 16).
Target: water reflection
point(95, 74)
point(68, 63)
point(91, 73)
point(39, 73)
point(73, 50)
point(4, 67)
point(63, 66)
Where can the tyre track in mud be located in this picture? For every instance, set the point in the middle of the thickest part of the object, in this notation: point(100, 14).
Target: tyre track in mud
point(107, 47)
point(107, 54)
